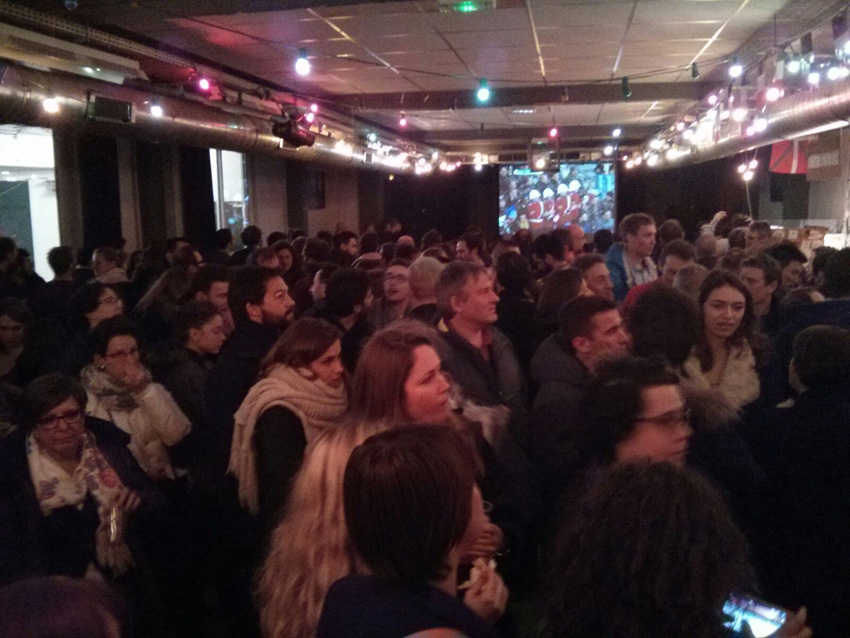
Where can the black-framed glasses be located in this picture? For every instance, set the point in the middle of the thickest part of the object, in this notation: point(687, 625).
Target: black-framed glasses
point(669, 420)
point(51, 421)
point(132, 352)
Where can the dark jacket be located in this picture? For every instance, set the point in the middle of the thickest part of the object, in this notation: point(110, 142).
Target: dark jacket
point(804, 549)
point(499, 381)
point(518, 322)
point(184, 375)
point(353, 339)
point(279, 441)
point(240, 257)
point(50, 300)
point(230, 379)
point(427, 313)
point(614, 261)
point(25, 550)
point(368, 607)
point(562, 382)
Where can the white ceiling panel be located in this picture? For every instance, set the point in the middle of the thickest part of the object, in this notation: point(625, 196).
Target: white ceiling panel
point(505, 38)
point(453, 22)
point(582, 15)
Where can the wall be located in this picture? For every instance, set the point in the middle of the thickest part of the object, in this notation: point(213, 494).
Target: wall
point(267, 190)
point(341, 203)
point(828, 198)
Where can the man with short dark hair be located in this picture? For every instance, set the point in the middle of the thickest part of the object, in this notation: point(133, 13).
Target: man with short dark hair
point(548, 251)
point(630, 262)
point(791, 262)
point(211, 283)
point(596, 275)
point(50, 300)
point(223, 242)
point(590, 332)
point(348, 299)
point(675, 255)
point(260, 303)
point(470, 248)
point(759, 235)
point(344, 248)
point(761, 274)
point(396, 300)
point(251, 237)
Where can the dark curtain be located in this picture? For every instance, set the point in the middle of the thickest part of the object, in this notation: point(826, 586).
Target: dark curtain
point(151, 160)
point(101, 200)
point(197, 193)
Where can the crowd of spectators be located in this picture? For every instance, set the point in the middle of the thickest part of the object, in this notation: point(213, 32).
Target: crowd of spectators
point(372, 435)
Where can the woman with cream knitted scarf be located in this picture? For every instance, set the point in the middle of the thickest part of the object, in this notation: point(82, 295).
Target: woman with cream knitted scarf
point(301, 393)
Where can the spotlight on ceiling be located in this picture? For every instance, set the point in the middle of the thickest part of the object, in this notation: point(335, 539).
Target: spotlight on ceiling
point(402, 121)
point(483, 91)
point(617, 132)
point(293, 134)
point(302, 64)
point(50, 105)
point(553, 132)
point(736, 69)
point(156, 110)
point(608, 150)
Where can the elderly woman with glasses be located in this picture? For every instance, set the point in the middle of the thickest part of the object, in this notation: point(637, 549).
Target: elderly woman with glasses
point(68, 485)
point(120, 390)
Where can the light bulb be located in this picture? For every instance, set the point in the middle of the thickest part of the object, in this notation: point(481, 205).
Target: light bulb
point(540, 163)
point(680, 126)
point(742, 168)
point(156, 110)
point(814, 78)
point(630, 164)
point(608, 150)
point(402, 122)
point(773, 94)
point(652, 160)
point(793, 66)
point(617, 132)
point(739, 115)
point(655, 144)
point(553, 132)
point(302, 64)
point(310, 117)
point(760, 124)
point(314, 108)
point(204, 84)
point(372, 137)
point(688, 133)
point(478, 167)
point(712, 99)
point(753, 164)
point(483, 91)
point(638, 160)
point(50, 104)
point(748, 175)
point(736, 69)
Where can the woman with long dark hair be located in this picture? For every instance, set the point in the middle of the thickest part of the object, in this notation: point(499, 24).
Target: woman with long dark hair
point(731, 357)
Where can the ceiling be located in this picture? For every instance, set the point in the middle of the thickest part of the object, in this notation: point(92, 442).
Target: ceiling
point(380, 59)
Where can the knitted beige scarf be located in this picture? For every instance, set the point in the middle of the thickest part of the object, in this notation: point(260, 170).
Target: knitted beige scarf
point(318, 406)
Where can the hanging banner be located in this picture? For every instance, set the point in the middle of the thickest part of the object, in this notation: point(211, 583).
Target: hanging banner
point(789, 157)
point(825, 157)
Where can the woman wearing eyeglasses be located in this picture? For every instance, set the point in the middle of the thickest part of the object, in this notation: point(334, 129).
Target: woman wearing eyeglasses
point(68, 485)
point(120, 390)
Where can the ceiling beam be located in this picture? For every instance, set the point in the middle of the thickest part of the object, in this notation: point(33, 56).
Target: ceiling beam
point(598, 93)
point(600, 133)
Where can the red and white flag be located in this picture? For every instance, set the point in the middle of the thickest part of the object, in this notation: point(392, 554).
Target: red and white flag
point(789, 157)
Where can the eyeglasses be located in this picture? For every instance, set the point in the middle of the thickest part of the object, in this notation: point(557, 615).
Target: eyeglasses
point(51, 421)
point(670, 420)
point(132, 352)
point(112, 300)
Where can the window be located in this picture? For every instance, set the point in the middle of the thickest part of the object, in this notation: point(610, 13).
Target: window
point(230, 190)
point(28, 210)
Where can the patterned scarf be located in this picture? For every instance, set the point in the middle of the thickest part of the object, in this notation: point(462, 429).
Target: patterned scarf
point(111, 393)
point(55, 488)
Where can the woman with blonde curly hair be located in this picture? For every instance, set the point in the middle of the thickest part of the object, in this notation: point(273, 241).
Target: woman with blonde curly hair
point(398, 380)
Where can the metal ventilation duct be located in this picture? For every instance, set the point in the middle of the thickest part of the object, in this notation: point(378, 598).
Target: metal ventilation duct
point(786, 118)
point(23, 91)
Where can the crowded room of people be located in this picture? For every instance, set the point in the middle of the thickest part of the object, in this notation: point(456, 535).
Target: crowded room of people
point(424, 319)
